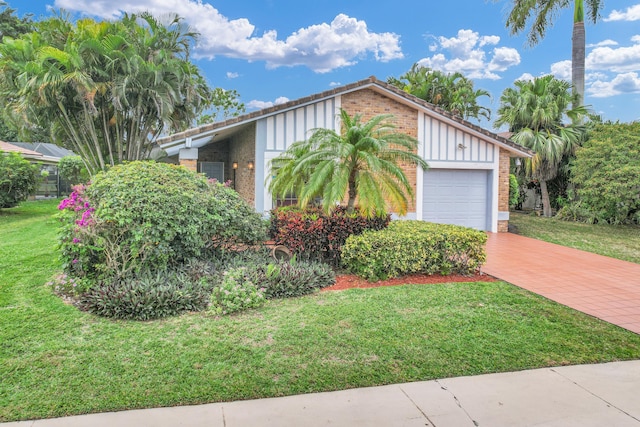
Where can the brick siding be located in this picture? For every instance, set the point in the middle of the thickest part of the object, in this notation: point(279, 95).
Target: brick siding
point(369, 104)
point(503, 189)
point(242, 150)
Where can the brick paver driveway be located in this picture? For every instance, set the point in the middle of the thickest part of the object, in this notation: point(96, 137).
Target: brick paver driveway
point(603, 287)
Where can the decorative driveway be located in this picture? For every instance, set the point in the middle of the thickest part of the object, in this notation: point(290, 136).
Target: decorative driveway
point(603, 287)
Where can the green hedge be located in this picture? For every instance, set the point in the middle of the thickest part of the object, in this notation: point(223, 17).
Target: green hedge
point(407, 247)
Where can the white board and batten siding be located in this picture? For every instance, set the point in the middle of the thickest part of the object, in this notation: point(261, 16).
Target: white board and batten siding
point(276, 133)
point(287, 127)
point(461, 185)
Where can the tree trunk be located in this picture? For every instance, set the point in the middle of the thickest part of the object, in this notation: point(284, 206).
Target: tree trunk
point(546, 203)
point(578, 52)
point(351, 203)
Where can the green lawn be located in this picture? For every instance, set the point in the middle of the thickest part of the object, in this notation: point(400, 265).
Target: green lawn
point(616, 241)
point(55, 360)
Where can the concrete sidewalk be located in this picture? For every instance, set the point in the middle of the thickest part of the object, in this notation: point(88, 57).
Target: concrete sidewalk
point(585, 395)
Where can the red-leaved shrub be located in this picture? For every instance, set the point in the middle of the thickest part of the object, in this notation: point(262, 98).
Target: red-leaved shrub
point(313, 234)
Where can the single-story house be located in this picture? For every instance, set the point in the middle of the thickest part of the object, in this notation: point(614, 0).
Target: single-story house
point(467, 182)
point(31, 155)
point(46, 155)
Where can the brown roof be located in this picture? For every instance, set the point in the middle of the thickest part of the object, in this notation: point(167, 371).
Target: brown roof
point(336, 91)
point(10, 148)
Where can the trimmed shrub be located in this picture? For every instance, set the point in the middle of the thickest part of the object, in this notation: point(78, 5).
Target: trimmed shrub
point(313, 234)
point(407, 247)
point(149, 295)
point(236, 293)
point(152, 214)
point(606, 173)
point(18, 179)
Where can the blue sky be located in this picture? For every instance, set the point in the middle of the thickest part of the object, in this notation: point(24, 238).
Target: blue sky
point(272, 51)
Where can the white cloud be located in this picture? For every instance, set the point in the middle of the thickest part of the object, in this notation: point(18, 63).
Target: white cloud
point(631, 14)
point(492, 40)
point(607, 42)
point(622, 83)
point(503, 58)
point(321, 47)
point(610, 71)
point(334, 84)
point(619, 60)
point(467, 54)
point(591, 77)
point(266, 104)
point(259, 104)
point(232, 75)
point(526, 77)
point(562, 70)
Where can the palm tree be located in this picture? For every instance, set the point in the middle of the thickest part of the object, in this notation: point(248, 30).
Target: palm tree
point(362, 163)
point(452, 92)
point(534, 111)
point(539, 14)
point(106, 89)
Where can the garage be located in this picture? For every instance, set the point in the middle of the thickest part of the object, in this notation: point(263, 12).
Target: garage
point(454, 196)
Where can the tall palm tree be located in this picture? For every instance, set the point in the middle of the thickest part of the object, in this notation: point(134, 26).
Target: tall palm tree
point(538, 15)
point(106, 89)
point(452, 92)
point(535, 111)
point(363, 163)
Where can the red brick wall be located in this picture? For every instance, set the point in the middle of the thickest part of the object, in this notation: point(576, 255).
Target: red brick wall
point(503, 189)
point(369, 104)
point(242, 150)
point(189, 164)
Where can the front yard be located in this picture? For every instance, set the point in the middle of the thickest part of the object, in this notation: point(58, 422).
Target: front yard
point(616, 241)
point(56, 360)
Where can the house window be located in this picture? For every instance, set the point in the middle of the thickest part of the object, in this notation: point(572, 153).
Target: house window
point(212, 170)
point(288, 200)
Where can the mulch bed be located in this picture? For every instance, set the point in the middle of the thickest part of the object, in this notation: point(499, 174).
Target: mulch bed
point(348, 281)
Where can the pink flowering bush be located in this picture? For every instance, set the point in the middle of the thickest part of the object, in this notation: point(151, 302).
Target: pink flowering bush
point(153, 216)
point(76, 240)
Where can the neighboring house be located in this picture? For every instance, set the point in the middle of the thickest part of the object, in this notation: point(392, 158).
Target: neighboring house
point(30, 155)
point(47, 156)
point(467, 182)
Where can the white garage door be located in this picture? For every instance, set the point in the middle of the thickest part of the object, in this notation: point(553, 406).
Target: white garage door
point(456, 197)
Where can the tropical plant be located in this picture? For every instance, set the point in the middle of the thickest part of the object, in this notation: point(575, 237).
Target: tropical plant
point(106, 89)
point(534, 111)
point(538, 15)
point(18, 179)
point(10, 24)
point(147, 295)
point(313, 234)
point(606, 172)
point(362, 163)
point(452, 92)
